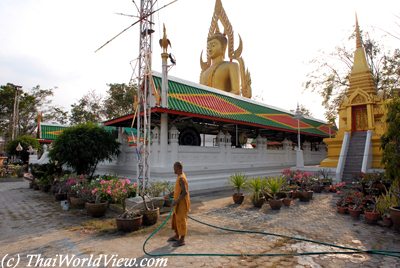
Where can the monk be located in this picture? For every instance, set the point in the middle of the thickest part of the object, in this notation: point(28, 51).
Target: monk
point(181, 207)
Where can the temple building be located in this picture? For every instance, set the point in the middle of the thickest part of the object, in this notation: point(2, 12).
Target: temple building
point(356, 146)
point(214, 127)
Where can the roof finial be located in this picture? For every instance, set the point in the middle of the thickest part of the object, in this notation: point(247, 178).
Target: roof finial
point(358, 35)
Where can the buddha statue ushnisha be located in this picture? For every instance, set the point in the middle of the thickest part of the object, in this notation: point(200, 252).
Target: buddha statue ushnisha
point(230, 76)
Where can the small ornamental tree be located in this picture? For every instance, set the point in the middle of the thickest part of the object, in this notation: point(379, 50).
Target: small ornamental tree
point(391, 141)
point(25, 142)
point(83, 146)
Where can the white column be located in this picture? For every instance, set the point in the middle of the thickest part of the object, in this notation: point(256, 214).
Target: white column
point(174, 141)
point(155, 147)
point(164, 80)
point(287, 147)
point(164, 140)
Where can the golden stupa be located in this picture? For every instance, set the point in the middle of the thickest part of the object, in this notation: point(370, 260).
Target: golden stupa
point(362, 110)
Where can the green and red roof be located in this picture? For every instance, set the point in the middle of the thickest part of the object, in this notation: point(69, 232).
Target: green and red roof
point(197, 100)
point(49, 132)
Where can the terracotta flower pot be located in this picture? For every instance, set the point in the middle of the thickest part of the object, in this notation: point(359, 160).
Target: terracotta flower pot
point(295, 194)
point(305, 196)
point(130, 224)
point(275, 204)
point(318, 188)
point(150, 217)
point(77, 202)
point(371, 217)
point(342, 210)
point(258, 203)
point(395, 216)
point(238, 198)
point(287, 201)
point(355, 213)
point(96, 210)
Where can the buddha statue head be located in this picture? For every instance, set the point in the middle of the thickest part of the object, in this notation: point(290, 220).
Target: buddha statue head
point(216, 45)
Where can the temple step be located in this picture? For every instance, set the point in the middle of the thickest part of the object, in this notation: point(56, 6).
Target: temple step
point(355, 155)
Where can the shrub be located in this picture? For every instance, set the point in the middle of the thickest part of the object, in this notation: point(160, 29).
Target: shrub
point(83, 146)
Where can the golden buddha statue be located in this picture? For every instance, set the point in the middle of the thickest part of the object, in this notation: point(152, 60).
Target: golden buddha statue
point(228, 76)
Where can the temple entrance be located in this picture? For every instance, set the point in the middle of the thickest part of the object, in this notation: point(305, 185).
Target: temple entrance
point(359, 118)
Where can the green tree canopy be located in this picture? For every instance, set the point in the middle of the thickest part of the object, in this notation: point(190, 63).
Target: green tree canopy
point(30, 104)
point(391, 140)
point(119, 100)
point(88, 109)
point(83, 146)
point(25, 142)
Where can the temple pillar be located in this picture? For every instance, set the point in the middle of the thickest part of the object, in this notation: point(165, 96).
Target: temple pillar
point(164, 140)
point(174, 142)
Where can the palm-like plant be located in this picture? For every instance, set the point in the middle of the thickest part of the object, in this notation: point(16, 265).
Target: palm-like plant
point(274, 185)
point(256, 185)
point(238, 181)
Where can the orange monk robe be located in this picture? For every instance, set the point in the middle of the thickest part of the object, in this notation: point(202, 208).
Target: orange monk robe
point(181, 210)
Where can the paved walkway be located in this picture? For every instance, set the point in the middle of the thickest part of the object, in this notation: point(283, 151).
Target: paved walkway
point(31, 222)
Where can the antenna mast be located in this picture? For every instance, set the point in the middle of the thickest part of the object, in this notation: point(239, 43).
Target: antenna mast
point(143, 82)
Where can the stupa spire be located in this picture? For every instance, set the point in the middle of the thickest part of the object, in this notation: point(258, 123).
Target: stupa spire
point(358, 35)
point(361, 76)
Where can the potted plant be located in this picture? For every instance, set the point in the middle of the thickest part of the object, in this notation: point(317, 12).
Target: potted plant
point(383, 205)
point(78, 194)
point(168, 193)
point(60, 189)
point(355, 209)
point(155, 190)
point(129, 221)
point(257, 185)
point(96, 198)
point(341, 206)
point(371, 216)
point(121, 189)
point(238, 181)
point(394, 210)
point(273, 187)
point(44, 183)
point(150, 215)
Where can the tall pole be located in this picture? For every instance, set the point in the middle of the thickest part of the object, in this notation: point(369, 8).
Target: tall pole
point(299, 153)
point(164, 104)
point(144, 112)
point(298, 135)
point(15, 118)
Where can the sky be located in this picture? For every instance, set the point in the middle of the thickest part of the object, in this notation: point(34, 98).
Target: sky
point(52, 43)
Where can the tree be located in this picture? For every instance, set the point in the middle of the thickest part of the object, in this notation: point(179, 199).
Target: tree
point(391, 141)
point(331, 74)
point(30, 103)
point(25, 142)
point(119, 100)
point(88, 109)
point(83, 146)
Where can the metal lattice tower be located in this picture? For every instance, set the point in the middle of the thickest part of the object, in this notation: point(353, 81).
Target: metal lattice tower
point(143, 82)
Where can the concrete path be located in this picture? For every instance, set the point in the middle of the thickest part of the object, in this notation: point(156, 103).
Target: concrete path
point(32, 223)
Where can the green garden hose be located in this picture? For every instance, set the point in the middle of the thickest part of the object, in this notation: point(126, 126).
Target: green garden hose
point(349, 249)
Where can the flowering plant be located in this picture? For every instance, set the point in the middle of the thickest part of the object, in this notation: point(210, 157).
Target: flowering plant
point(121, 189)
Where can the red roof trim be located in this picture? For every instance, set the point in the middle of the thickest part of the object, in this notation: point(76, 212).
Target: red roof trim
point(118, 120)
point(45, 141)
